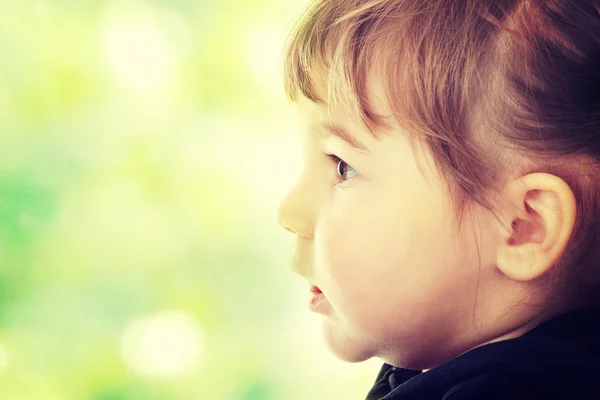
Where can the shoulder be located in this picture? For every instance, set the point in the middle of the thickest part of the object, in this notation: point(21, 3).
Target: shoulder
point(492, 386)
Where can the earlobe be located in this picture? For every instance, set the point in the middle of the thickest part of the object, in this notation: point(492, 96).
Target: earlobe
point(541, 225)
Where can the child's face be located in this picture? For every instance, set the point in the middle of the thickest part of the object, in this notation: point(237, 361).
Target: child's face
point(381, 245)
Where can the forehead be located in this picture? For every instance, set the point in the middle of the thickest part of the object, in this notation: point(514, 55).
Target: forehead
point(340, 108)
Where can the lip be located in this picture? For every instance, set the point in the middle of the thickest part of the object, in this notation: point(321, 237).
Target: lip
point(315, 290)
point(318, 300)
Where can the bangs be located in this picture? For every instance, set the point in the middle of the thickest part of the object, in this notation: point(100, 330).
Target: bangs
point(429, 57)
point(332, 50)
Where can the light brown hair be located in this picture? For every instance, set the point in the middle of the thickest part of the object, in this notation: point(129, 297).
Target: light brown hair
point(487, 87)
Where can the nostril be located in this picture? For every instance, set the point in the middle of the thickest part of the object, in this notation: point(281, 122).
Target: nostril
point(284, 223)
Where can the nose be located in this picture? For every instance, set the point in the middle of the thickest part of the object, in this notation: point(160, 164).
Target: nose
point(295, 214)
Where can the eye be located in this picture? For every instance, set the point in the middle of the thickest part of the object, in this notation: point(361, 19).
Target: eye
point(343, 169)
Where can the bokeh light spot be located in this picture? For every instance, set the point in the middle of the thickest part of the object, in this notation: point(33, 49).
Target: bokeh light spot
point(135, 48)
point(166, 344)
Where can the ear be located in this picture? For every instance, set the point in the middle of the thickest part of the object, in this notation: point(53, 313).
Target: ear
point(540, 225)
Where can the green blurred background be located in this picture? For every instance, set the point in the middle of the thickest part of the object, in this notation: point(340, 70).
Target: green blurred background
point(144, 148)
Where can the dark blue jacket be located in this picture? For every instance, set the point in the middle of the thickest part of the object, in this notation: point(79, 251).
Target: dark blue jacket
point(557, 360)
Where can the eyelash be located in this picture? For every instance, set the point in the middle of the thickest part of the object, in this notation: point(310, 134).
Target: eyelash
point(336, 160)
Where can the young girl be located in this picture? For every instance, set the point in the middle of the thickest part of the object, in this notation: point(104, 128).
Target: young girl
point(447, 216)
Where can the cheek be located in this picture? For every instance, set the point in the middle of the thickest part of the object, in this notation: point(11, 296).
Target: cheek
point(359, 254)
point(378, 261)
point(368, 241)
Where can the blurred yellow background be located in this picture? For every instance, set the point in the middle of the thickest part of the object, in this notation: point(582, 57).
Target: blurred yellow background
point(144, 148)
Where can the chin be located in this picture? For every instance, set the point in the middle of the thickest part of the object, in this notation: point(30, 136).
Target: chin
point(344, 346)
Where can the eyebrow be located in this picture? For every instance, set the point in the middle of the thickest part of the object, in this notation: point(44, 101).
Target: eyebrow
point(343, 134)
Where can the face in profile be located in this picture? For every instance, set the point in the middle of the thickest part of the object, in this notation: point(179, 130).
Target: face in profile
point(378, 238)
